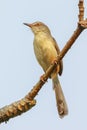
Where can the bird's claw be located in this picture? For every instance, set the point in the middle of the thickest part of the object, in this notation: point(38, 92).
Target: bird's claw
point(43, 79)
point(54, 61)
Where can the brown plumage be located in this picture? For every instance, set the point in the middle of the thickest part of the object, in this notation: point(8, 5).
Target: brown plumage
point(46, 50)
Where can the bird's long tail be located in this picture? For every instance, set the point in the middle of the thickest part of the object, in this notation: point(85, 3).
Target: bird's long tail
point(60, 99)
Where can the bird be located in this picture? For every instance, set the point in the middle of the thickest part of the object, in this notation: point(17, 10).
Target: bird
point(46, 50)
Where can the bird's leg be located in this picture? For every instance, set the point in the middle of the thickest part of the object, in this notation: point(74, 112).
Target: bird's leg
point(54, 61)
point(43, 79)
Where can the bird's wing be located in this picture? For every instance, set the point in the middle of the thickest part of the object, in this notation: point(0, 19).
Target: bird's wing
point(58, 51)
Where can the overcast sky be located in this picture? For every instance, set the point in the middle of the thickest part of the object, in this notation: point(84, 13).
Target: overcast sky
point(19, 70)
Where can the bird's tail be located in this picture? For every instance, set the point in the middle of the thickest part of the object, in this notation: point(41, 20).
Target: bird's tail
point(60, 99)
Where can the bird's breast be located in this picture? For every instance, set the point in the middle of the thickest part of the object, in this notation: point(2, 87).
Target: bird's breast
point(45, 51)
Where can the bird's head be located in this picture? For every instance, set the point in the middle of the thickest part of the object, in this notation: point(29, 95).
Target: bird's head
point(37, 27)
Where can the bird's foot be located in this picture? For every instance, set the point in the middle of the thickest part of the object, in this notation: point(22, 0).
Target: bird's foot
point(43, 79)
point(54, 61)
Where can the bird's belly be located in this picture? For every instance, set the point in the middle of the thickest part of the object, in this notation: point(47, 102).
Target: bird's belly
point(45, 54)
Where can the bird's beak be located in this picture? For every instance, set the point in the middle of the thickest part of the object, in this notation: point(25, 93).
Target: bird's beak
point(27, 24)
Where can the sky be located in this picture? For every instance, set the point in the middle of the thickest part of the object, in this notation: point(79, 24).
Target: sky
point(19, 70)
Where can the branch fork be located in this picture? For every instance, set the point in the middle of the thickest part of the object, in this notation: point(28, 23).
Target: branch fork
point(83, 24)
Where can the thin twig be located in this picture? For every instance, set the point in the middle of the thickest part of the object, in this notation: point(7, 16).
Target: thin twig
point(81, 10)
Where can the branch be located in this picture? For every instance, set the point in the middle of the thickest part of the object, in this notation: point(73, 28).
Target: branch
point(15, 109)
point(25, 104)
point(81, 10)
